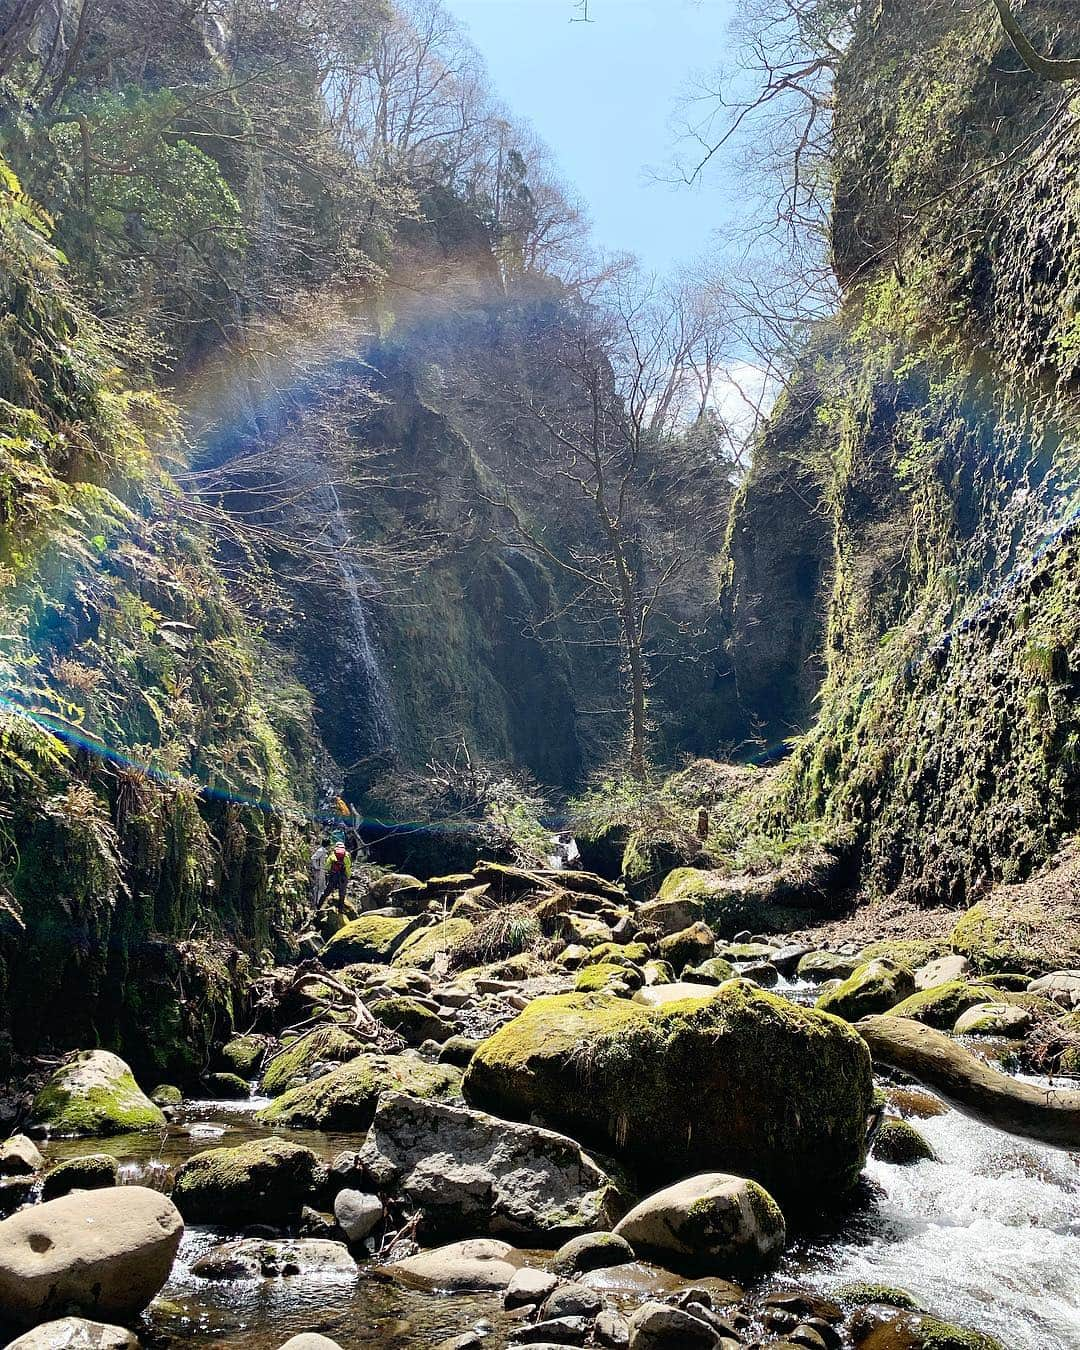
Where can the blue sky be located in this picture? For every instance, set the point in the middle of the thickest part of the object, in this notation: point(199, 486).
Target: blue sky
point(601, 95)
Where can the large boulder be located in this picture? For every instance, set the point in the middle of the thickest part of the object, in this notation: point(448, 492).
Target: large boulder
point(297, 1062)
point(659, 1326)
point(477, 1264)
point(262, 1181)
point(101, 1253)
point(346, 1097)
point(93, 1094)
point(941, 1006)
point(372, 937)
point(741, 1082)
point(874, 987)
point(708, 1223)
point(274, 1259)
point(467, 1172)
point(422, 948)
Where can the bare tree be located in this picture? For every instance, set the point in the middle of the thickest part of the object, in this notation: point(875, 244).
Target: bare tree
point(1048, 68)
point(604, 437)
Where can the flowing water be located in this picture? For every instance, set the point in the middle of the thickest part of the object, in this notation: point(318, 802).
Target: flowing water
point(989, 1236)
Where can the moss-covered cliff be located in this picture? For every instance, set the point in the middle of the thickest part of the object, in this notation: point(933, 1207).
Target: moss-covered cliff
point(925, 458)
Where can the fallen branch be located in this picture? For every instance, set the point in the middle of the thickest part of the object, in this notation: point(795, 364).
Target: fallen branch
point(1048, 68)
point(1050, 1115)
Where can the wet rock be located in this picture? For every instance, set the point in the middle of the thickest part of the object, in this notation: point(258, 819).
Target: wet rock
point(262, 1181)
point(993, 1019)
point(658, 1326)
point(898, 1142)
point(93, 1094)
point(358, 1213)
point(708, 1222)
point(914, 1331)
point(741, 1082)
point(88, 1173)
point(591, 1251)
point(803, 1305)
point(613, 978)
point(20, 1156)
point(310, 1340)
point(466, 1171)
point(786, 959)
point(658, 972)
point(571, 1300)
point(243, 1055)
point(476, 1265)
point(874, 987)
point(943, 970)
point(817, 967)
point(75, 1333)
point(554, 1331)
point(762, 973)
point(258, 1259)
point(166, 1095)
point(15, 1192)
point(315, 1223)
point(103, 1253)
point(529, 1286)
point(346, 1097)
point(226, 1086)
point(861, 1293)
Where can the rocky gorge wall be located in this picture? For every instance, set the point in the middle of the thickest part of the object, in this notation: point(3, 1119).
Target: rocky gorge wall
point(924, 460)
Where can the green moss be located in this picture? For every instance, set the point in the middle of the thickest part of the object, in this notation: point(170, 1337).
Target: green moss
point(262, 1181)
point(226, 1085)
point(346, 1097)
point(898, 1142)
point(92, 1171)
point(941, 1006)
point(372, 937)
point(714, 971)
point(618, 953)
point(420, 950)
point(909, 952)
point(166, 1095)
point(656, 1086)
point(115, 1106)
point(874, 987)
point(859, 1294)
point(658, 972)
point(243, 1055)
point(606, 975)
point(689, 947)
point(294, 1064)
point(411, 1019)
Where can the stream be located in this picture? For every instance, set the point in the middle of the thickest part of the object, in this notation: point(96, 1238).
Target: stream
point(989, 1237)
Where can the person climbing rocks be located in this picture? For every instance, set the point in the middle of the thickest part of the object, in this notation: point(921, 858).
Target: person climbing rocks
point(338, 873)
point(318, 870)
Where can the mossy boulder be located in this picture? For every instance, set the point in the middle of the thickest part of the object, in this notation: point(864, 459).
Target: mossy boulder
point(651, 854)
point(371, 938)
point(941, 1006)
point(262, 1181)
point(917, 1331)
point(819, 967)
point(346, 1097)
point(858, 1293)
point(94, 1093)
point(243, 1055)
point(330, 1044)
point(911, 952)
point(713, 971)
point(412, 1019)
point(898, 1142)
point(688, 948)
point(874, 987)
point(993, 1019)
point(741, 1082)
point(394, 888)
point(607, 975)
point(705, 1224)
point(91, 1172)
point(618, 954)
point(658, 972)
point(226, 1087)
point(420, 949)
point(165, 1094)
